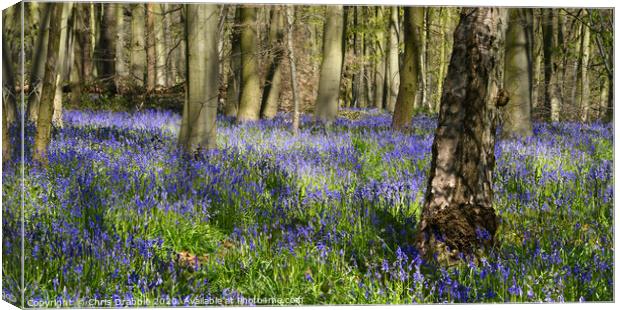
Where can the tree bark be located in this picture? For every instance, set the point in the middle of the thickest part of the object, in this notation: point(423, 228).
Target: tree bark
point(46, 106)
point(106, 50)
point(271, 90)
point(422, 25)
point(38, 65)
point(250, 100)
point(290, 13)
point(428, 101)
point(138, 50)
point(380, 60)
point(445, 20)
point(233, 90)
point(538, 80)
point(169, 65)
point(602, 104)
point(459, 197)
point(9, 108)
point(198, 128)
point(393, 75)
point(151, 54)
point(82, 61)
point(551, 61)
point(331, 66)
point(518, 75)
point(95, 33)
point(120, 66)
point(583, 81)
point(358, 66)
point(63, 68)
point(160, 46)
point(409, 73)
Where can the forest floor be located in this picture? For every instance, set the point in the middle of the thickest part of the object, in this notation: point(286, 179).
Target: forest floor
point(121, 215)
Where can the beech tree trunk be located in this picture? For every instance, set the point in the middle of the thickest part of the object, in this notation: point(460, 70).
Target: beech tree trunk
point(357, 87)
point(445, 20)
point(331, 66)
point(422, 25)
point(537, 55)
point(250, 100)
point(551, 107)
point(169, 65)
point(106, 50)
point(82, 61)
point(151, 55)
point(233, 90)
point(583, 88)
point(198, 126)
point(271, 90)
point(428, 80)
point(405, 104)
point(138, 49)
point(393, 76)
point(8, 99)
point(160, 46)
point(459, 199)
point(120, 66)
point(380, 61)
point(518, 75)
point(38, 65)
point(290, 14)
point(46, 105)
point(63, 68)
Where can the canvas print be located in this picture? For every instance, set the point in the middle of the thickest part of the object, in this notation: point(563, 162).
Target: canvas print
point(207, 154)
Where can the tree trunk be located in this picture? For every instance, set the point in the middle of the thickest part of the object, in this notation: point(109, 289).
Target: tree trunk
point(120, 66)
point(64, 62)
point(271, 90)
point(138, 50)
point(179, 52)
point(46, 105)
point(405, 103)
point(331, 66)
point(9, 109)
point(561, 54)
point(368, 74)
point(380, 60)
point(249, 103)
point(82, 60)
point(583, 81)
point(198, 128)
point(151, 54)
point(458, 214)
point(445, 20)
point(427, 60)
point(550, 45)
point(602, 104)
point(538, 88)
point(290, 13)
point(169, 65)
point(160, 46)
point(518, 75)
point(233, 90)
point(393, 75)
point(422, 25)
point(358, 65)
point(106, 51)
point(38, 65)
point(95, 33)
